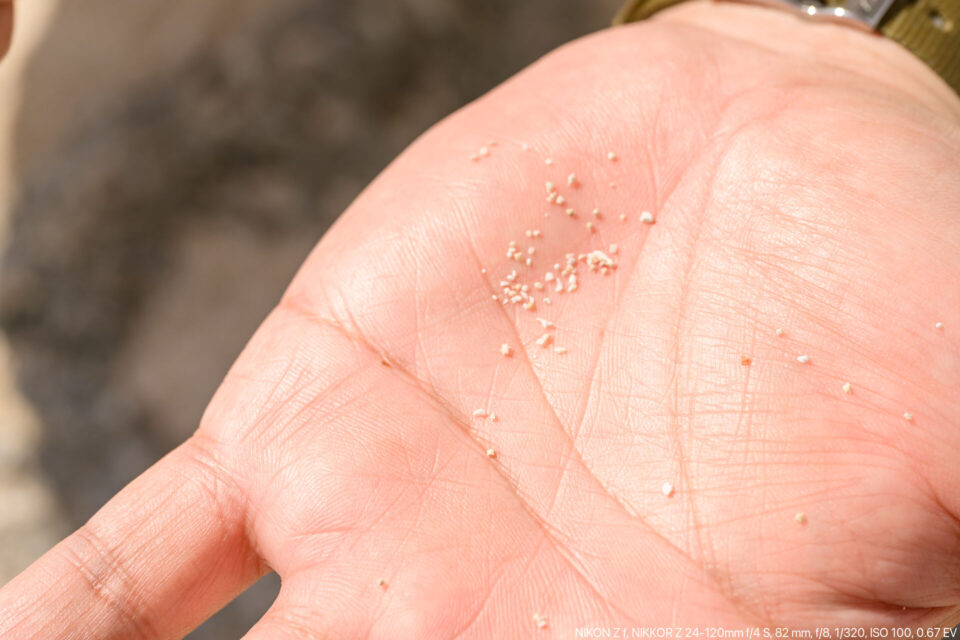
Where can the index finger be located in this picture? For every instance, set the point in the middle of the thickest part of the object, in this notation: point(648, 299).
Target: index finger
point(163, 555)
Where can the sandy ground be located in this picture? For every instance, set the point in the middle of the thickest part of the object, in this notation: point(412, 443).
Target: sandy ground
point(156, 36)
point(31, 519)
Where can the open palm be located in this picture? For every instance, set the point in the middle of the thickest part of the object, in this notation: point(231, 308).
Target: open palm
point(671, 442)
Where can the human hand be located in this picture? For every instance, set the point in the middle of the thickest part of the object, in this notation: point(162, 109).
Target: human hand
point(790, 189)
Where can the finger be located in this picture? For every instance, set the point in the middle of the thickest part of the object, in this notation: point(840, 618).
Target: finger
point(6, 25)
point(163, 555)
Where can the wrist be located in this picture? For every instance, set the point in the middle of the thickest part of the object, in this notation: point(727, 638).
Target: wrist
point(872, 56)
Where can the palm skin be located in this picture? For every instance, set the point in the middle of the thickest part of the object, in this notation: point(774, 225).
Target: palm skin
point(342, 450)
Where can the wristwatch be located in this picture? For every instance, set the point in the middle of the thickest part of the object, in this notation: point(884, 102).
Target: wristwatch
point(928, 28)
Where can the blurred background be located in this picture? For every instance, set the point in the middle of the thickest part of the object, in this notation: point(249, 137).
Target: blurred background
point(165, 166)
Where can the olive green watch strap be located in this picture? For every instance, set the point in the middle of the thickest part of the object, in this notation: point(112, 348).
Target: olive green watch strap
point(928, 28)
point(636, 10)
point(932, 32)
